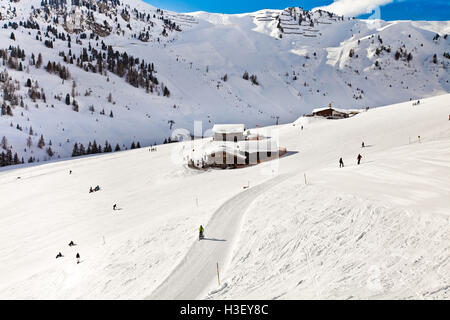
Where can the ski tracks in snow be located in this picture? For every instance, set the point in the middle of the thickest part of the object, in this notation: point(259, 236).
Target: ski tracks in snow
point(197, 272)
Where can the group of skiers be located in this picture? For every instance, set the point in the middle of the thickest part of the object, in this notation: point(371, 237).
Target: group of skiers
point(358, 158)
point(77, 256)
point(97, 188)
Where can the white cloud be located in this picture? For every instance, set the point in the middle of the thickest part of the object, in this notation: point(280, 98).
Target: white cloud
point(352, 8)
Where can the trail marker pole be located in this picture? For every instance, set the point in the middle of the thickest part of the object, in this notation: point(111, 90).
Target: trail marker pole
point(218, 277)
point(306, 182)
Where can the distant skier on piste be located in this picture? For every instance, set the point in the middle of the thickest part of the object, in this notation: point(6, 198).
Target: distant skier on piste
point(201, 231)
point(341, 163)
point(78, 258)
point(359, 159)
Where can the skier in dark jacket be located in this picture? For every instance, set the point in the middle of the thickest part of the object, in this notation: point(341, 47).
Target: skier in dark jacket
point(59, 255)
point(71, 244)
point(115, 207)
point(341, 163)
point(78, 258)
point(359, 159)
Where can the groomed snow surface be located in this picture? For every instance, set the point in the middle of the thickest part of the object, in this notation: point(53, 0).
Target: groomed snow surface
point(378, 230)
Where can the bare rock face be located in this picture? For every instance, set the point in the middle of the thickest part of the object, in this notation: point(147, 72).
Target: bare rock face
point(125, 17)
point(78, 23)
point(100, 30)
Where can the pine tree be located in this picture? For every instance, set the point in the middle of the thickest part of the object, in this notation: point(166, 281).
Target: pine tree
point(82, 150)
point(49, 67)
point(41, 142)
point(166, 92)
point(39, 61)
point(12, 36)
point(410, 57)
point(352, 52)
point(254, 80)
point(4, 143)
point(9, 157)
point(75, 151)
point(9, 111)
point(117, 148)
point(16, 159)
point(94, 147)
point(50, 152)
point(29, 142)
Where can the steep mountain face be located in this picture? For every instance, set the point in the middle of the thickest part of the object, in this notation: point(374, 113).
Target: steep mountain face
point(75, 72)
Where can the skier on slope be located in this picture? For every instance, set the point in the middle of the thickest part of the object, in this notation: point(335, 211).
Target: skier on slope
point(359, 159)
point(59, 255)
point(341, 163)
point(78, 258)
point(201, 230)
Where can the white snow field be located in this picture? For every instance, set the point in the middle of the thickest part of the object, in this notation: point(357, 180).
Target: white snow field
point(378, 230)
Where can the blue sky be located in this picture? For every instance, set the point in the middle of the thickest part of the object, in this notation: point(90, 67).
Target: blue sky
point(390, 9)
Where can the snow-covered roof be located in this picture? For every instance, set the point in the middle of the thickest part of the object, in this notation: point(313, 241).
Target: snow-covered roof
point(328, 108)
point(229, 128)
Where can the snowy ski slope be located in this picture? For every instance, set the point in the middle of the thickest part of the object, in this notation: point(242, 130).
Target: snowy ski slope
point(379, 230)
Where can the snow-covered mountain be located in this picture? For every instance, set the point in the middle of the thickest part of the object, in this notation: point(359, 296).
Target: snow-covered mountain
point(122, 71)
